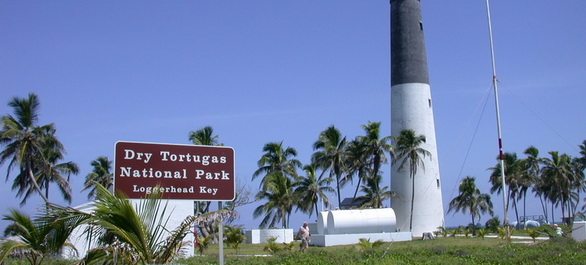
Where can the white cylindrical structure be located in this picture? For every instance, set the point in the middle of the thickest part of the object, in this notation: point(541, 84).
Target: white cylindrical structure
point(361, 221)
point(322, 223)
point(418, 203)
point(411, 108)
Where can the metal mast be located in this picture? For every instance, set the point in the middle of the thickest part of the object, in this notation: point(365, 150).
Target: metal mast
point(498, 120)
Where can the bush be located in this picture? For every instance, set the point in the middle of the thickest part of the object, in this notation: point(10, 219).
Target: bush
point(492, 224)
point(234, 237)
point(441, 231)
point(533, 233)
point(272, 246)
point(481, 233)
point(203, 243)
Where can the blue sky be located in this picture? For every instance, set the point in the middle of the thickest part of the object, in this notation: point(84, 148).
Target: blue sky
point(262, 70)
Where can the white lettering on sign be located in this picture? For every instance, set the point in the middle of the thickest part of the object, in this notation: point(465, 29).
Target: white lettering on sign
point(187, 157)
point(170, 189)
point(223, 175)
point(206, 190)
point(130, 154)
point(151, 173)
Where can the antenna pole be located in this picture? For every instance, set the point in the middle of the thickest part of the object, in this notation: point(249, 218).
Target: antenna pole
point(498, 123)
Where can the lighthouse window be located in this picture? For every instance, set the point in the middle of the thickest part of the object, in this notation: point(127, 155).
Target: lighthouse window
point(429, 102)
point(438, 184)
point(420, 25)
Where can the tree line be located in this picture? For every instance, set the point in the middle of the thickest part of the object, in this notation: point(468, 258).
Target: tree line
point(34, 152)
point(35, 155)
point(335, 163)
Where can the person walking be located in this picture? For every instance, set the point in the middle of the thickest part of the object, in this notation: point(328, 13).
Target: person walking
point(304, 235)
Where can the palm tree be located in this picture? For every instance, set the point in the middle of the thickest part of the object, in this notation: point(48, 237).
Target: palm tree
point(374, 195)
point(408, 151)
point(357, 163)
point(36, 239)
point(280, 199)
point(23, 141)
point(582, 157)
point(471, 200)
point(558, 170)
point(47, 169)
point(310, 189)
point(532, 167)
point(134, 235)
point(541, 189)
point(330, 155)
point(365, 156)
point(532, 171)
point(375, 147)
point(578, 185)
point(277, 160)
point(513, 177)
point(101, 174)
point(204, 136)
point(55, 172)
point(234, 237)
point(528, 175)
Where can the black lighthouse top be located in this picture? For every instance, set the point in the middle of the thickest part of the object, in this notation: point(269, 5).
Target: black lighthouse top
point(408, 56)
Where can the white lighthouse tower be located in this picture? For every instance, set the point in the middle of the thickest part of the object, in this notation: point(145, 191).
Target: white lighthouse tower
point(412, 108)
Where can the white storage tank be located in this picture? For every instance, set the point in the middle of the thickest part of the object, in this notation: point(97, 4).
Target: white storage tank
point(361, 221)
point(322, 223)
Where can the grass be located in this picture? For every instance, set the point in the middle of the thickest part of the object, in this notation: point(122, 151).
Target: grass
point(440, 251)
point(448, 250)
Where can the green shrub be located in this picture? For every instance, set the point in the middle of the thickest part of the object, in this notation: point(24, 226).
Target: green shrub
point(234, 237)
point(203, 243)
point(533, 233)
point(441, 231)
point(368, 248)
point(492, 224)
point(481, 233)
point(502, 231)
point(271, 246)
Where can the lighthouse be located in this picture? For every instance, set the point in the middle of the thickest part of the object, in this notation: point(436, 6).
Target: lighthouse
point(412, 108)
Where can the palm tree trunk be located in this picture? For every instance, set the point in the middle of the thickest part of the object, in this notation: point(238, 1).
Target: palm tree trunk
point(574, 208)
point(338, 188)
point(544, 209)
point(36, 185)
point(284, 216)
point(570, 212)
point(473, 225)
point(516, 210)
point(552, 212)
point(525, 206)
point(412, 201)
point(563, 211)
point(47, 192)
point(357, 186)
point(316, 212)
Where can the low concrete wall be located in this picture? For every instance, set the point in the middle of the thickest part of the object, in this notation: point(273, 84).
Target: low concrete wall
point(579, 231)
point(261, 236)
point(350, 239)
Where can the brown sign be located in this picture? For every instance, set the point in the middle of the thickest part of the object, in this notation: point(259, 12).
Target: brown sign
point(187, 172)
